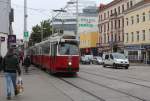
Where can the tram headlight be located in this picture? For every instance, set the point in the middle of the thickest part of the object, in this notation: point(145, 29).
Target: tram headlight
point(69, 63)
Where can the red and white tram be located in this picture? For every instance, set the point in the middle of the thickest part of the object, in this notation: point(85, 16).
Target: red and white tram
point(57, 54)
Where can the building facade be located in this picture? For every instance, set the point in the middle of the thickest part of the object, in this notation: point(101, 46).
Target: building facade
point(111, 25)
point(6, 18)
point(137, 32)
point(88, 31)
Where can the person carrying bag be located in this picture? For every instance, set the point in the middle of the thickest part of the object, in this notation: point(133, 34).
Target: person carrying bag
point(11, 68)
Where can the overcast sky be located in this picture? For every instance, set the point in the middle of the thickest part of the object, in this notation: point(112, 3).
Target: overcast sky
point(41, 12)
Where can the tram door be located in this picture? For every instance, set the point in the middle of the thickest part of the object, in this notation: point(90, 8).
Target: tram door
point(53, 56)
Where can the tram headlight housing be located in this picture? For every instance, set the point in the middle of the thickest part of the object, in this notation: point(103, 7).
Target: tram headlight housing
point(69, 63)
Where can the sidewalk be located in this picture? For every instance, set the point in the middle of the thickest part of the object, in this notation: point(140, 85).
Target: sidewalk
point(37, 87)
point(139, 64)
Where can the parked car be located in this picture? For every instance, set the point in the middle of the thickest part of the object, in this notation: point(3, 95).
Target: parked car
point(85, 60)
point(116, 60)
point(90, 57)
point(97, 60)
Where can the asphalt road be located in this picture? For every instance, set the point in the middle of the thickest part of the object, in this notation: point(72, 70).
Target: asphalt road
point(92, 83)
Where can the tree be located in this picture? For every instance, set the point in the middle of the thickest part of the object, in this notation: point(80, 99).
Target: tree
point(36, 33)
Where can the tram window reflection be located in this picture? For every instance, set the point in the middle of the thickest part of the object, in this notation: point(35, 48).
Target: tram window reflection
point(68, 49)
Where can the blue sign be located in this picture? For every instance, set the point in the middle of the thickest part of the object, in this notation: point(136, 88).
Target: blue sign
point(11, 38)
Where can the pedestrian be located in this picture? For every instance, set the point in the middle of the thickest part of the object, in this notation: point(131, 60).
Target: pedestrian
point(27, 63)
point(11, 68)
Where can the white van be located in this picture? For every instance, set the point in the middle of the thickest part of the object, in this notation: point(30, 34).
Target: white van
point(116, 60)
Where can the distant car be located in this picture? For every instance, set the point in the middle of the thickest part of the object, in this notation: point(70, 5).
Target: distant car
point(116, 60)
point(90, 57)
point(85, 60)
point(97, 60)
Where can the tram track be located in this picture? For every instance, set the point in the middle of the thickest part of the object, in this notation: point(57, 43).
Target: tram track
point(116, 90)
point(112, 78)
point(86, 91)
point(125, 75)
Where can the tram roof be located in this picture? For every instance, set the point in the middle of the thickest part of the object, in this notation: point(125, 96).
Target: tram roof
point(58, 37)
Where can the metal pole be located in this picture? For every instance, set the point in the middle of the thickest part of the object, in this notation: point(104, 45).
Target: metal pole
point(52, 24)
point(42, 31)
point(77, 17)
point(25, 15)
point(25, 24)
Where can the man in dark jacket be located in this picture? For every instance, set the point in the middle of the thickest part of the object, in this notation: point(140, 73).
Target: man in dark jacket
point(11, 68)
point(27, 63)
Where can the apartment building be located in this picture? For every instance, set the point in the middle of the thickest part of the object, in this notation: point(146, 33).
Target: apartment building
point(137, 32)
point(6, 18)
point(111, 25)
point(88, 30)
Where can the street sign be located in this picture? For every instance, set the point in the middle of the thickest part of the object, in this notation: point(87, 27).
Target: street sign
point(2, 39)
point(26, 34)
point(11, 38)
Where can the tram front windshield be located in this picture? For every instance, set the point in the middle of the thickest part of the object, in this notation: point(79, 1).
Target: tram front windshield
point(68, 49)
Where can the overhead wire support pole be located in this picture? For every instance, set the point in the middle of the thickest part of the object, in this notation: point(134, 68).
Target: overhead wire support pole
point(77, 18)
point(25, 25)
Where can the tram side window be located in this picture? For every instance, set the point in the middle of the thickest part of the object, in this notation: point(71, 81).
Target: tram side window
point(46, 48)
point(53, 49)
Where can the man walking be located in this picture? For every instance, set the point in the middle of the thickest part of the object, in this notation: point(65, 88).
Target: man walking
point(11, 68)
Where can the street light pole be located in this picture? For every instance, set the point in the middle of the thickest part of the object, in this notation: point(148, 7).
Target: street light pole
point(42, 31)
point(77, 18)
point(25, 24)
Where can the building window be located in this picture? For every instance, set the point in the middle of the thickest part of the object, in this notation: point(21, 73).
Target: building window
point(132, 20)
point(127, 37)
point(108, 14)
point(115, 11)
point(119, 10)
point(138, 35)
point(108, 37)
point(127, 21)
point(138, 20)
point(115, 37)
point(143, 35)
point(131, 3)
point(122, 22)
point(118, 23)
point(111, 12)
point(101, 28)
point(149, 34)
point(122, 8)
point(115, 24)
point(149, 15)
point(111, 24)
point(108, 26)
point(112, 39)
point(127, 5)
point(104, 16)
point(132, 36)
point(143, 17)
point(119, 37)
point(104, 27)
point(104, 38)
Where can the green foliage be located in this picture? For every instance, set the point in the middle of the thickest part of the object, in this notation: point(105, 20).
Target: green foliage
point(36, 33)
